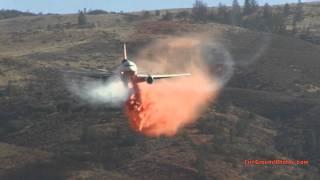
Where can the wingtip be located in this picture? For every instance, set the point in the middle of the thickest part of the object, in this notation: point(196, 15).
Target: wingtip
point(125, 51)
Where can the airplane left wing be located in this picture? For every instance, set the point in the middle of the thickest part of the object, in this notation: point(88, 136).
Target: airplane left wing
point(150, 78)
point(163, 76)
point(90, 74)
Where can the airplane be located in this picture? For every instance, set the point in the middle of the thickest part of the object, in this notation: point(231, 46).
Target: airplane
point(128, 72)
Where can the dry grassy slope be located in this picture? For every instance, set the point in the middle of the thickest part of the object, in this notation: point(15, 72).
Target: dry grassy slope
point(96, 141)
point(275, 63)
point(14, 157)
point(49, 40)
point(51, 33)
point(311, 18)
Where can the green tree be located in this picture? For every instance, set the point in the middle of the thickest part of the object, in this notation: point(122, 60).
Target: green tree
point(167, 16)
point(146, 14)
point(267, 11)
point(250, 6)
point(223, 13)
point(235, 15)
point(183, 15)
point(278, 24)
point(294, 27)
point(200, 11)
point(8, 90)
point(246, 7)
point(310, 140)
point(254, 5)
point(267, 17)
point(82, 19)
point(212, 16)
point(243, 123)
point(286, 10)
point(157, 13)
point(298, 14)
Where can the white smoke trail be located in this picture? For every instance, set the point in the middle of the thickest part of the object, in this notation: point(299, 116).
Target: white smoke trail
point(112, 92)
point(219, 60)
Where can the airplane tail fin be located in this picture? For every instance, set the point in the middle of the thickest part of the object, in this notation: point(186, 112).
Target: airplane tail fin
point(125, 51)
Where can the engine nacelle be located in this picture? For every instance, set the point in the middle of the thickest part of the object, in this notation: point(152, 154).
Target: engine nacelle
point(150, 80)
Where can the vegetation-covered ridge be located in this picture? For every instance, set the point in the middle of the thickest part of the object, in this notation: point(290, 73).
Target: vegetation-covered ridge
point(4, 14)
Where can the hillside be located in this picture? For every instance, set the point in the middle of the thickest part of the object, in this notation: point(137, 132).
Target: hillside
point(6, 14)
point(268, 109)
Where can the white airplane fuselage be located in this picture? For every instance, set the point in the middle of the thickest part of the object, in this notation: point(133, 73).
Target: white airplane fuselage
point(128, 72)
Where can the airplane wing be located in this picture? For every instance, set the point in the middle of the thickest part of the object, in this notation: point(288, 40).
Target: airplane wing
point(85, 73)
point(163, 76)
point(150, 78)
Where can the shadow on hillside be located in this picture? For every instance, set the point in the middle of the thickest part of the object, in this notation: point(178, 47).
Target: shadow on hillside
point(37, 170)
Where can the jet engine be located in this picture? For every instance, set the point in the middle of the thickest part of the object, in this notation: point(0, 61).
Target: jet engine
point(150, 80)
